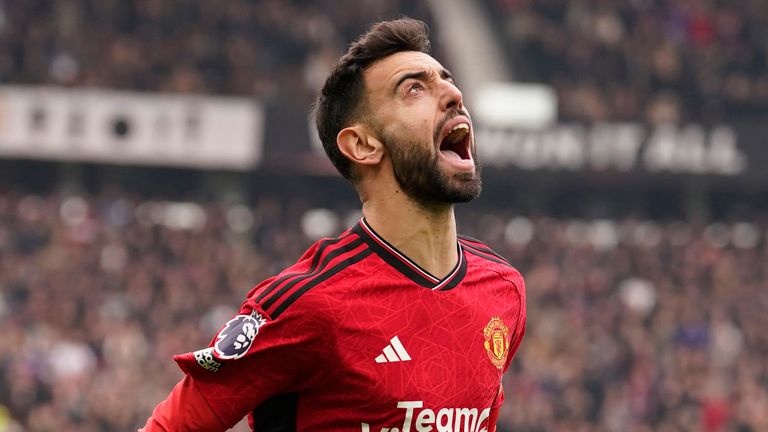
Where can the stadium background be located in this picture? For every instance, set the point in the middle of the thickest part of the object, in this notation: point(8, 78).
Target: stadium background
point(637, 214)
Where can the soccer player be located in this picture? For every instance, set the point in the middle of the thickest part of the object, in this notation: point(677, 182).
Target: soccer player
point(398, 324)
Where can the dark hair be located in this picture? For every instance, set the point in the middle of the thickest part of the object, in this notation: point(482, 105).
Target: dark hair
point(342, 98)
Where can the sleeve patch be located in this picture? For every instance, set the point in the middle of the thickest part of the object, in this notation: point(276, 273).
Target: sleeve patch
point(234, 340)
point(204, 358)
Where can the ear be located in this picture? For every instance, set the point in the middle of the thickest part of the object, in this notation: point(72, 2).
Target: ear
point(358, 146)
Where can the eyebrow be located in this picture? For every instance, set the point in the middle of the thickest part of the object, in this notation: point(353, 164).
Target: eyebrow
point(422, 75)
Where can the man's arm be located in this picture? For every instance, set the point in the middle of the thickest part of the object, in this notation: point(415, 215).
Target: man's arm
point(253, 357)
point(184, 410)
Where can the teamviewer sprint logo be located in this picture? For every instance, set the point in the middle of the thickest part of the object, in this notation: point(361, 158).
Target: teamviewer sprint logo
point(420, 419)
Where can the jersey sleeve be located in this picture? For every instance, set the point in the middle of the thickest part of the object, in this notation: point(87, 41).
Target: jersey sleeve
point(254, 357)
point(519, 330)
point(183, 410)
point(493, 418)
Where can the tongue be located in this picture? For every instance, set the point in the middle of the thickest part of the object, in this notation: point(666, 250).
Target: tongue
point(450, 154)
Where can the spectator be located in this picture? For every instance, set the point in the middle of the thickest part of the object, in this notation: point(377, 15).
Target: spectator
point(669, 60)
point(642, 325)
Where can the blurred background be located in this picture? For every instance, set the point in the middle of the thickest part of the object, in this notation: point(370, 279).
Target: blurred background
point(157, 160)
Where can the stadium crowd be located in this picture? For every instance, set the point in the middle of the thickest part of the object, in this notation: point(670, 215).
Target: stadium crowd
point(634, 325)
point(265, 48)
point(656, 60)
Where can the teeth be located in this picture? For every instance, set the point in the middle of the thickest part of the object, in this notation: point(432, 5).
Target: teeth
point(456, 134)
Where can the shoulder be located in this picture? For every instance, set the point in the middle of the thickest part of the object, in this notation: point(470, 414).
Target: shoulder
point(489, 258)
point(480, 249)
point(326, 261)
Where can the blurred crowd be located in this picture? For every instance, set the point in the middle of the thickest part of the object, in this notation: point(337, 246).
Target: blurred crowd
point(263, 48)
point(638, 326)
point(98, 294)
point(655, 60)
point(633, 325)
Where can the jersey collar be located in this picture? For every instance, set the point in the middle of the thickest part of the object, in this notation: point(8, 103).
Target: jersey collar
point(407, 266)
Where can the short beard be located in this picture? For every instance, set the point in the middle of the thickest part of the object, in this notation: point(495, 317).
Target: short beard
point(418, 174)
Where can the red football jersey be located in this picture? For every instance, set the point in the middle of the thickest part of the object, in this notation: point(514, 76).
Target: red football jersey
point(356, 336)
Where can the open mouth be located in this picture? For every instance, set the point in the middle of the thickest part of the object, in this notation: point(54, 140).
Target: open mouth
point(455, 144)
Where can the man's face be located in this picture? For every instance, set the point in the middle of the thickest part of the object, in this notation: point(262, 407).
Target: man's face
point(418, 114)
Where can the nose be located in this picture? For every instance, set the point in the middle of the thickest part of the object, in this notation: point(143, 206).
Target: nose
point(451, 97)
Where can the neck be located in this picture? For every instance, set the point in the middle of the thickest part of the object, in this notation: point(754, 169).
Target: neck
point(426, 235)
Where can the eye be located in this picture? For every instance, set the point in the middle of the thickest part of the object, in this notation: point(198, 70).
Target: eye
point(414, 87)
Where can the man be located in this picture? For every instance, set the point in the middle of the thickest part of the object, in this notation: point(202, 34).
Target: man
point(397, 325)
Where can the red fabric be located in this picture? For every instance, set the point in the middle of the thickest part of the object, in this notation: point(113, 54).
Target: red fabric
point(715, 414)
point(325, 333)
point(183, 410)
point(494, 417)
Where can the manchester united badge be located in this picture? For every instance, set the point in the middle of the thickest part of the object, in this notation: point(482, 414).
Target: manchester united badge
point(496, 335)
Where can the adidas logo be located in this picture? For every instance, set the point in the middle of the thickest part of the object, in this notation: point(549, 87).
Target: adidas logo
point(393, 352)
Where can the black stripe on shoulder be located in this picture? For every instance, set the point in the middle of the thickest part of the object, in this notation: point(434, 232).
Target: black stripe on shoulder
point(489, 256)
point(277, 414)
point(318, 270)
point(480, 246)
point(364, 253)
point(486, 256)
point(475, 242)
point(313, 266)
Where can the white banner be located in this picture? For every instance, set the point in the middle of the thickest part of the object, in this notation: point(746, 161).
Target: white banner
point(130, 128)
point(624, 147)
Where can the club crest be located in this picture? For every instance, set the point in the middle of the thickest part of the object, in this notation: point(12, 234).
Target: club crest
point(496, 335)
point(234, 340)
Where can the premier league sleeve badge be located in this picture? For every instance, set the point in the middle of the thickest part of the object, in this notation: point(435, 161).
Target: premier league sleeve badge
point(234, 340)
